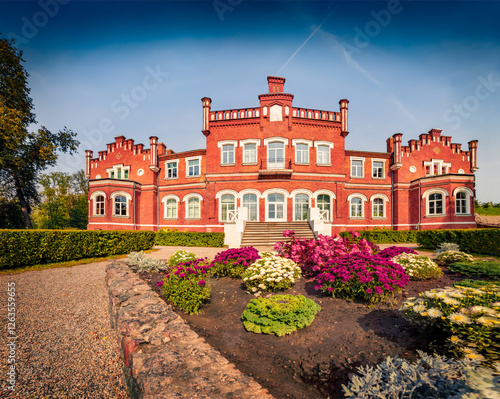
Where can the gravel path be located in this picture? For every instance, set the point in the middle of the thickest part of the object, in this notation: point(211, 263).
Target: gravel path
point(65, 346)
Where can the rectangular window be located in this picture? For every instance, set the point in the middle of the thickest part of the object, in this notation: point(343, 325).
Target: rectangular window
point(250, 153)
point(194, 167)
point(125, 174)
point(172, 170)
point(228, 154)
point(302, 153)
point(427, 170)
point(356, 168)
point(112, 175)
point(378, 170)
point(323, 154)
point(118, 173)
point(436, 169)
point(444, 170)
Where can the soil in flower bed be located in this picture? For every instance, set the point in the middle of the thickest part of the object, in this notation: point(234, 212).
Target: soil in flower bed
point(315, 361)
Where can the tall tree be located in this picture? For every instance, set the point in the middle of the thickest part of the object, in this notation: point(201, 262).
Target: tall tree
point(24, 154)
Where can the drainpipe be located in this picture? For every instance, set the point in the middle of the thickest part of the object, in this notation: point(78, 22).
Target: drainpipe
point(392, 200)
point(419, 204)
point(135, 227)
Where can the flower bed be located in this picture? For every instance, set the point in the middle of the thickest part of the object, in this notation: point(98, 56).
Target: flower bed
point(418, 267)
point(391, 252)
point(448, 257)
point(181, 256)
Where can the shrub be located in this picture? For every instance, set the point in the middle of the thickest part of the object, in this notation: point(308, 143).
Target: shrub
point(447, 246)
point(143, 263)
point(469, 316)
point(181, 256)
point(387, 236)
point(185, 286)
point(391, 252)
point(233, 262)
point(270, 273)
point(32, 247)
point(313, 254)
point(189, 238)
point(418, 267)
point(448, 257)
point(369, 278)
point(478, 241)
point(428, 377)
point(481, 268)
point(279, 314)
point(475, 283)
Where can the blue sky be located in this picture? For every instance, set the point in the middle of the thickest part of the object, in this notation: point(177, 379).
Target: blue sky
point(139, 69)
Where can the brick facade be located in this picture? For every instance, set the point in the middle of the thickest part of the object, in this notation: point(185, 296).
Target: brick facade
point(278, 160)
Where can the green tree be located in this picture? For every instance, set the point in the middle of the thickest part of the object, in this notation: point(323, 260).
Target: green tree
point(64, 201)
point(24, 154)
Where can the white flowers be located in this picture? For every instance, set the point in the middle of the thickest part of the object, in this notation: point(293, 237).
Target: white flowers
point(434, 313)
point(269, 273)
point(459, 318)
point(418, 267)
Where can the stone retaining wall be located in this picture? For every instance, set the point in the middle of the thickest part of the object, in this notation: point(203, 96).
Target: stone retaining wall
point(163, 357)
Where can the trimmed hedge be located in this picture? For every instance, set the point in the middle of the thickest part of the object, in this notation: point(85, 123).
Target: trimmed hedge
point(32, 247)
point(479, 241)
point(387, 236)
point(189, 239)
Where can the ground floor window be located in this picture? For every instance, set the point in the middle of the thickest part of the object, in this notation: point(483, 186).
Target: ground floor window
point(250, 202)
point(323, 203)
point(121, 205)
point(356, 210)
point(301, 206)
point(193, 208)
point(436, 204)
point(378, 210)
point(228, 204)
point(461, 203)
point(171, 208)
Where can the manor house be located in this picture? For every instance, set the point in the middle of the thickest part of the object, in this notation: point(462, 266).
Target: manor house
point(280, 163)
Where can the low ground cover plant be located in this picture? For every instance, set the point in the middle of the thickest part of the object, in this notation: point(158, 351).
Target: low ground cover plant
point(475, 283)
point(313, 254)
point(366, 277)
point(233, 262)
point(481, 268)
point(391, 252)
point(270, 273)
point(142, 263)
point(279, 314)
point(470, 317)
point(185, 285)
point(181, 256)
point(418, 267)
point(429, 377)
point(448, 257)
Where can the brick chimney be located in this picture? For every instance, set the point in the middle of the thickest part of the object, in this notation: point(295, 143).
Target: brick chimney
point(276, 84)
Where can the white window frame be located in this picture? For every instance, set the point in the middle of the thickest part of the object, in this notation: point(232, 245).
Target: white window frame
point(257, 193)
point(317, 145)
point(128, 198)
point(426, 196)
point(286, 195)
point(362, 167)
point(296, 143)
point(93, 198)
point(186, 199)
point(385, 201)
point(176, 161)
point(165, 200)
point(221, 145)
point(363, 199)
point(270, 140)
point(332, 196)
point(469, 194)
point(243, 144)
point(218, 197)
point(383, 168)
point(294, 194)
point(117, 168)
point(187, 166)
point(440, 165)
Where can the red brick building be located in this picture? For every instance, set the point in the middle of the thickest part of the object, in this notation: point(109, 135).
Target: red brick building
point(279, 162)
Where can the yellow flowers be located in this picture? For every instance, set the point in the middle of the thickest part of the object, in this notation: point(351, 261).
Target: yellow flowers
point(459, 318)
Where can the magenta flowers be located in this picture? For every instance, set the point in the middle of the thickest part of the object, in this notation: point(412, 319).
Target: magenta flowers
point(233, 262)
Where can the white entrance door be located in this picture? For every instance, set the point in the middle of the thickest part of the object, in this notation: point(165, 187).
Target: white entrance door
point(276, 207)
point(276, 156)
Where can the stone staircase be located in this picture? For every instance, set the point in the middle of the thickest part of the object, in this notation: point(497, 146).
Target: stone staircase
point(263, 235)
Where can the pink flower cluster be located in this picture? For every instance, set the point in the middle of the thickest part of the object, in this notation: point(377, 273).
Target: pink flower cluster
point(191, 270)
point(313, 254)
point(244, 256)
point(362, 276)
point(391, 252)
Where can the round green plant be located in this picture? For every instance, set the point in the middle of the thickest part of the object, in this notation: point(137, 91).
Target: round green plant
point(181, 256)
point(448, 257)
point(279, 314)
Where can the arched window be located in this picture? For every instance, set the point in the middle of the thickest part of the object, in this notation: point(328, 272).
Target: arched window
point(227, 204)
point(378, 209)
point(301, 204)
point(171, 208)
point(250, 202)
point(324, 203)
point(436, 204)
point(356, 210)
point(461, 203)
point(193, 208)
point(121, 208)
point(99, 205)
